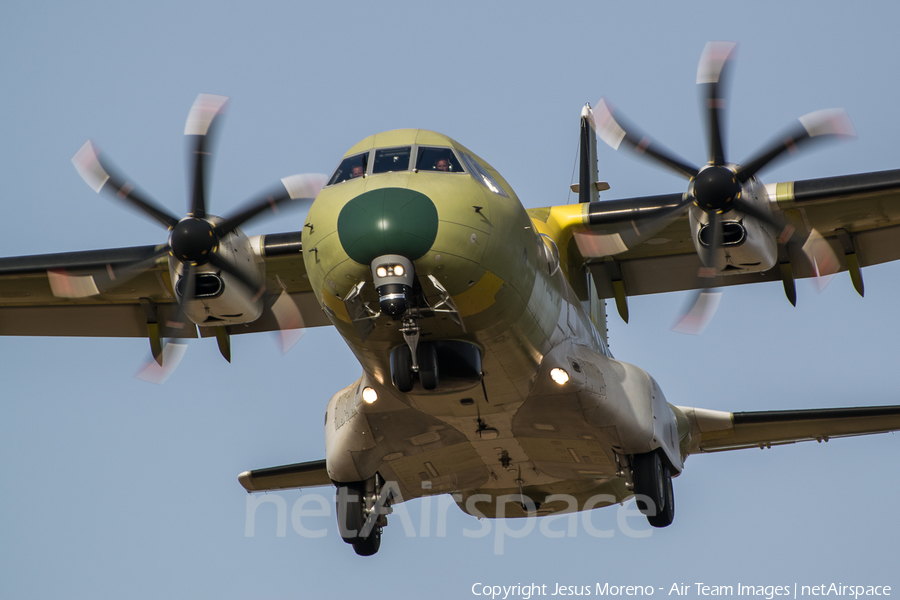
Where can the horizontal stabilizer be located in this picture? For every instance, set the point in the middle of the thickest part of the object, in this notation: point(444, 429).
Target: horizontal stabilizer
point(714, 430)
point(300, 475)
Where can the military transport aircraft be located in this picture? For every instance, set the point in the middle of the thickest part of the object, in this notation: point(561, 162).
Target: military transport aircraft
point(479, 325)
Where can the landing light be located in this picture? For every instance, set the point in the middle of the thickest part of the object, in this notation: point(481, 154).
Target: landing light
point(390, 271)
point(559, 375)
point(369, 395)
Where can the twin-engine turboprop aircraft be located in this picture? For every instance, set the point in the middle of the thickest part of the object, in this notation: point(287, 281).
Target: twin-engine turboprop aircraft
point(479, 325)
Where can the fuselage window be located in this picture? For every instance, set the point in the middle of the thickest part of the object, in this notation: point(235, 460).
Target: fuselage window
point(482, 175)
point(438, 160)
point(350, 168)
point(388, 160)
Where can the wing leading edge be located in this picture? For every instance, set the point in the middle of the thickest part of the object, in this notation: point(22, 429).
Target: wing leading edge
point(31, 302)
point(858, 215)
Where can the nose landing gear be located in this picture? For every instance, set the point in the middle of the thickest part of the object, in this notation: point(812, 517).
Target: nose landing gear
point(440, 366)
point(404, 369)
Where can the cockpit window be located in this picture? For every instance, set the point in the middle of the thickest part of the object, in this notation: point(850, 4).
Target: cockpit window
point(439, 160)
point(350, 168)
point(482, 175)
point(430, 159)
point(388, 160)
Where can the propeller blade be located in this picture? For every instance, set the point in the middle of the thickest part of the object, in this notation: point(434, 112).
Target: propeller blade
point(71, 285)
point(818, 251)
point(173, 351)
point(618, 226)
point(712, 75)
point(703, 305)
point(614, 133)
point(127, 272)
point(290, 321)
point(256, 288)
point(300, 188)
point(704, 302)
point(179, 320)
point(822, 125)
point(201, 126)
point(822, 258)
point(709, 254)
point(98, 174)
point(68, 285)
point(746, 208)
point(152, 372)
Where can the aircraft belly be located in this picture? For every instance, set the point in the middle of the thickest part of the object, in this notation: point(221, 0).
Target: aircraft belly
point(515, 335)
point(423, 454)
point(605, 394)
point(560, 441)
point(557, 497)
point(555, 430)
point(433, 443)
point(441, 470)
point(429, 455)
point(569, 459)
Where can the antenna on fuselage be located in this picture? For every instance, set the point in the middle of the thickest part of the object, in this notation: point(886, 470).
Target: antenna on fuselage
point(484, 389)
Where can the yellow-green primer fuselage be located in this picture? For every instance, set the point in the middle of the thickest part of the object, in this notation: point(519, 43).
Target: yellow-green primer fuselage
point(469, 237)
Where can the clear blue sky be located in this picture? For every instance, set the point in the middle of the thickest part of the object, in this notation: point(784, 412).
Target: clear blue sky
point(114, 488)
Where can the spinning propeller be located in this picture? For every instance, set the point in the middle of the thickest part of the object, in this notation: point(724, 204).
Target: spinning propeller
point(720, 187)
point(193, 240)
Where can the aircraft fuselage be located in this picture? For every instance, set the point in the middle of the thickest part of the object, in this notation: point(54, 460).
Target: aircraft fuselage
point(485, 282)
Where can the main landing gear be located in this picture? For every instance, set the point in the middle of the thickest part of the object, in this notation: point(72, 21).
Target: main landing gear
point(653, 489)
point(361, 515)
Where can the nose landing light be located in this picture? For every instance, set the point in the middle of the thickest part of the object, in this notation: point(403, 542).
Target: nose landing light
point(393, 281)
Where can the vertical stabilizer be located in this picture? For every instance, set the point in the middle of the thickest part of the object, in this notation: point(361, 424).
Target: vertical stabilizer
point(589, 187)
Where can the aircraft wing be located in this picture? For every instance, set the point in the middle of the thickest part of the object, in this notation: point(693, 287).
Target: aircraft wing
point(32, 303)
point(858, 215)
point(715, 431)
point(300, 475)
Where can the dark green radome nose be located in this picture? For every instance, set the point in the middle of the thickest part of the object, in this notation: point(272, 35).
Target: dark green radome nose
point(388, 221)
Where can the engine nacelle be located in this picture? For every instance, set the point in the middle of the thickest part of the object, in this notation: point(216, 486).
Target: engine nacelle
point(220, 299)
point(749, 246)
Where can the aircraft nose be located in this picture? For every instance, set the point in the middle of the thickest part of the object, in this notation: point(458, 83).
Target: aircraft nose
point(387, 221)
